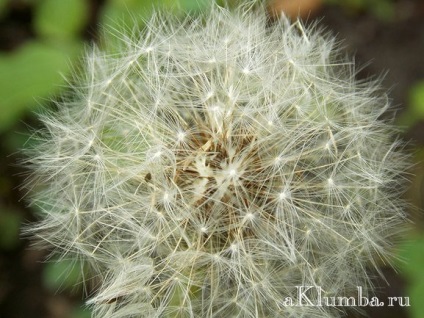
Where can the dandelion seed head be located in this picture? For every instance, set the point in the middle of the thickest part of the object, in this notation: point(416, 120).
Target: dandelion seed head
point(215, 163)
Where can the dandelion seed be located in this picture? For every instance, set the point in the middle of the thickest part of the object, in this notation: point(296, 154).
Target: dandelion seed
point(234, 248)
point(285, 195)
point(181, 136)
point(246, 70)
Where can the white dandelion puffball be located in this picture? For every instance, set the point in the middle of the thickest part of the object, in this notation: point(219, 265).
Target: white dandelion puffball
point(216, 164)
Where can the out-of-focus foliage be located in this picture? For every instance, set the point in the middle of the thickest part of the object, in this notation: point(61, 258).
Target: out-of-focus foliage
point(81, 312)
point(2, 7)
point(119, 15)
point(35, 70)
point(412, 252)
point(63, 274)
point(382, 9)
point(60, 19)
point(415, 110)
point(417, 99)
point(412, 255)
point(28, 74)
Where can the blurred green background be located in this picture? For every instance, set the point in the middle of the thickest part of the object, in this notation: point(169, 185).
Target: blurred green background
point(41, 42)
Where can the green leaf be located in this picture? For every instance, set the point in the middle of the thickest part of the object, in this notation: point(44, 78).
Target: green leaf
point(416, 294)
point(29, 74)
point(60, 18)
point(412, 254)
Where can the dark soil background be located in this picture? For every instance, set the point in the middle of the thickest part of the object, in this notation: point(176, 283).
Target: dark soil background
point(394, 47)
